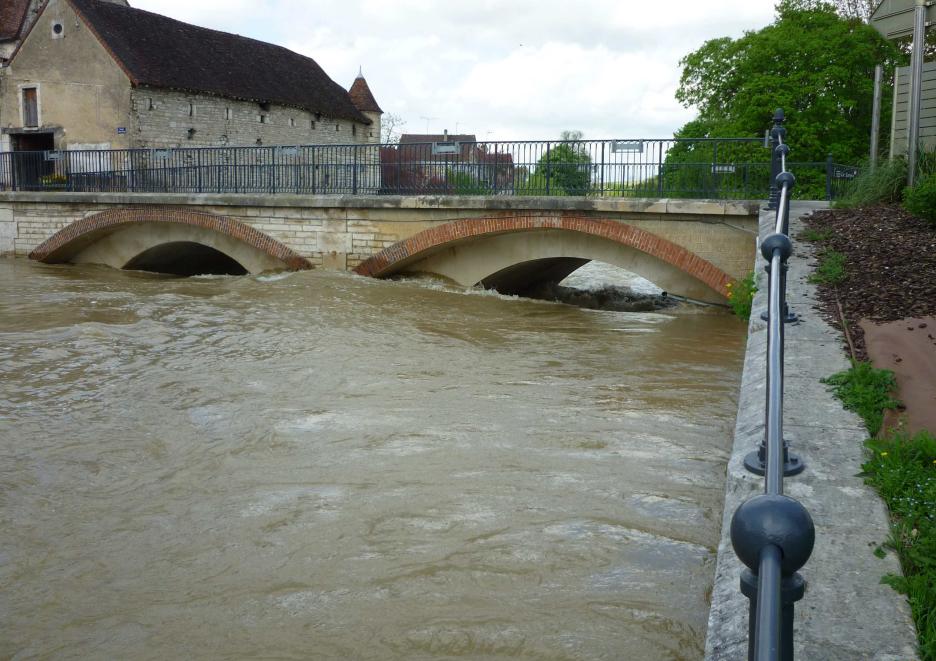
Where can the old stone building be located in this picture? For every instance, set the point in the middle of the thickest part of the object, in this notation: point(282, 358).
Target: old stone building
point(98, 74)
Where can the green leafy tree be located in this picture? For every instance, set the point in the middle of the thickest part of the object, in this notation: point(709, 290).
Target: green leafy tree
point(814, 63)
point(462, 183)
point(565, 168)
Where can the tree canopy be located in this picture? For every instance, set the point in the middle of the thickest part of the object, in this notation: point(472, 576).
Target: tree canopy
point(814, 63)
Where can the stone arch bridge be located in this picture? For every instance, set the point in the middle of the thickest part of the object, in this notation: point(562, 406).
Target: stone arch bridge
point(691, 248)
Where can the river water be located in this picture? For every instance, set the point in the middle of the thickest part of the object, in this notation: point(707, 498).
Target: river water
point(321, 466)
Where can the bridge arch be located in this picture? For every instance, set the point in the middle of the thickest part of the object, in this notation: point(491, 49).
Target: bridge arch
point(520, 250)
point(130, 237)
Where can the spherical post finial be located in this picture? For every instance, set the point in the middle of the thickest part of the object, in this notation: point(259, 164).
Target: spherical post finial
point(777, 520)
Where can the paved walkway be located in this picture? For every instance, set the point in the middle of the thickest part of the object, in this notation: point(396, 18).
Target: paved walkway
point(846, 614)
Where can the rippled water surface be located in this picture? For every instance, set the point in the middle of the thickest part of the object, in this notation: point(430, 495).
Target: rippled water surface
point(316, 465)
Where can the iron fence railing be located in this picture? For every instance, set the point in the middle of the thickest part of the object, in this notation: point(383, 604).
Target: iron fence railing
point(732, 168)
point(716, 167)
point(773, 534)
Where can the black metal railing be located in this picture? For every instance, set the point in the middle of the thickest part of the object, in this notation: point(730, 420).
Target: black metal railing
point(732, 168)
point(726, 168)
point(773, 534)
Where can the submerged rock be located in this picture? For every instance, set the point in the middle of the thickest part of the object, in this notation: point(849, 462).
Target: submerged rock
point(609, 297)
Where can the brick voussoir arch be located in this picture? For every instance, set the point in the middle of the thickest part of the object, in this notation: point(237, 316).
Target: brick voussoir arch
point(627, 235)
point(115, 218)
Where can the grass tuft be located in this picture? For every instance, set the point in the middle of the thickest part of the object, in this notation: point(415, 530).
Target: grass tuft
point(903, 470)
point(814, 235)
point(866, 391)
point(831, 268)
point(884, 183)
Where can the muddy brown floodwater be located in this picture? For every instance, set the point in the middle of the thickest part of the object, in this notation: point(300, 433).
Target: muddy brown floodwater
point(320, 466)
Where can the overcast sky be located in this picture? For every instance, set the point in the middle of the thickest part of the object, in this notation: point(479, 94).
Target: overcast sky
point(501, 69)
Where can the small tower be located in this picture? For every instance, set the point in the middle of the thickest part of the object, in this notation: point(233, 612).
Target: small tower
point(364, 101)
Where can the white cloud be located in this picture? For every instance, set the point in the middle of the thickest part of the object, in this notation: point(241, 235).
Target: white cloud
point(503, 69)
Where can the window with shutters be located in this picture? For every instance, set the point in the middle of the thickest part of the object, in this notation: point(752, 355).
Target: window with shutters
point(30, 106)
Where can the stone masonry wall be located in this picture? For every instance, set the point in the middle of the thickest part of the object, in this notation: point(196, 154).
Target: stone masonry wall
point(163, 119)
point(341, 232)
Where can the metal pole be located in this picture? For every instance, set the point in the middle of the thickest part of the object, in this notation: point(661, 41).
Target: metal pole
point(548, 168)
point(876, 115)
point(767, 637)
point(892, 147)
point(602, 167)
point(916, 80)
point(777, 133)
point(828, 177)
point(715, 176)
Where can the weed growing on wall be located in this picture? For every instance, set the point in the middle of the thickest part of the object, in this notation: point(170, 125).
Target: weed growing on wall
point(741, 296)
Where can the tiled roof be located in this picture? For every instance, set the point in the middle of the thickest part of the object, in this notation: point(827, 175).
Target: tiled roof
point(361, 96)
point(411, 138)
point(12, 13)
point(158, 51)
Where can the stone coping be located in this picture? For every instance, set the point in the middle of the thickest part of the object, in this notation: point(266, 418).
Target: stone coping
point(847, 614)
point(607, 204)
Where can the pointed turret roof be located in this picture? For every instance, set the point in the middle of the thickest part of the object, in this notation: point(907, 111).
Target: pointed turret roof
point(362, 97)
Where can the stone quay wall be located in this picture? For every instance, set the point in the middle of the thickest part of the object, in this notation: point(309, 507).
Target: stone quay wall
point(847, 614)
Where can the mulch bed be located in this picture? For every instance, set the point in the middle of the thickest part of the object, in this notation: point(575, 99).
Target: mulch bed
point(890, 266)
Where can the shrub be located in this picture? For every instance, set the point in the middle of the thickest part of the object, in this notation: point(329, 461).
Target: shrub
point(879, 185)
point(920, 200)
point(741, 296)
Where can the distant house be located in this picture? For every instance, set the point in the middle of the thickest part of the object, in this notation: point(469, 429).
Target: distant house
point(98, 74)
point(16, 17)
point(415, 146)
point(443, 163)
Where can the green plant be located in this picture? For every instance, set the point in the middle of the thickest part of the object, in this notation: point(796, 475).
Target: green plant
point(463, 183)
point(565, 169)
point(903, 470)
point(831, 268)
point(920, 200)
point(866, 391)
point(735, 84)
point(53, 179)
point(926, 162)
point(878, 185)
point(741, 296)
point(814, 235)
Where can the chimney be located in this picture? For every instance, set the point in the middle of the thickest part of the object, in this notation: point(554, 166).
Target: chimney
point(445, 135)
